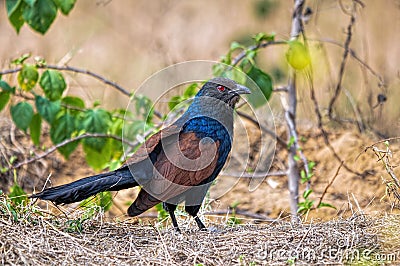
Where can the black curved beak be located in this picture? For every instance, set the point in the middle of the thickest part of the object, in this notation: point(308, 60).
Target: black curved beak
point(240, 89)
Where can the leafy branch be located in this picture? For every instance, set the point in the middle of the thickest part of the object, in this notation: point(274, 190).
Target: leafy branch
point(71, 140)
point(68, 116)
point(38, 14)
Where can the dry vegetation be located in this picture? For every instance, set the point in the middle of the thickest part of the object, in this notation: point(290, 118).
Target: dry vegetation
point(42, 239)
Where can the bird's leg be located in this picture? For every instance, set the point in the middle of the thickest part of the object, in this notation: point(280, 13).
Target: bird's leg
point(199, 223)
point(193, 210)
point(174, 221)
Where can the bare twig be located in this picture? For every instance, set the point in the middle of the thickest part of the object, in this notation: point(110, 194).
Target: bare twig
point(281, 89)
point(243, 54)
point(321, 127)
point(255, 216)
point(76, 70)
point(254, 175)
point(263, 128)
point(381, 141)
point(67, 141)
point(357, 111)
point(89, 73)
point(329, 184)
point(344, 59)
point(353, 54)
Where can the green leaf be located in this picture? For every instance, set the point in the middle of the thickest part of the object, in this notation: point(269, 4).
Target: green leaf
point(47, 109)
point(73, 105)
point(311, 165)
point(4, 98)
point(20, 60)
point(62, 128)
point(65, 5)
point(18, 195)
point(53, 84)
point(261, 36)
point(324, 204)
point(162, 213)
point(190, 91)
point(174, 101)
point(302, 173)
point(41, 15)
point(236, 45)
point(307, 193)
point(114, 165)
point(301, 209)
point(6, 87)
point(22, 114)
point(30, 3)
point(73, 101)
point(97, 159)
point(291, 142)
point(35, 129)
point(143, 106)
point(105, 200)
point(235, 75)
point(264, 82)
point(28, 77)
point(95, 121)
point(14, 13)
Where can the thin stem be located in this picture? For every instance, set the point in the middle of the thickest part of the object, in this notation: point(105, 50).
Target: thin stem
point(75, 70)
point(344, 60)
point(243, 54)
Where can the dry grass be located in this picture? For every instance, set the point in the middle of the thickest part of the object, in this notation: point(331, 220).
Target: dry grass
point(38, 238)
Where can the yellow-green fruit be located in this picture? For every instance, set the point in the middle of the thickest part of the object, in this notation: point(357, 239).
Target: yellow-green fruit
point(297, 55)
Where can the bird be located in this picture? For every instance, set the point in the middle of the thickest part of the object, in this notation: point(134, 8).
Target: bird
point(175, 165)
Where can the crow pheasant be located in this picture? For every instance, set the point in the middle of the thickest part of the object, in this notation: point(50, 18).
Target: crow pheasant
point(177, 164)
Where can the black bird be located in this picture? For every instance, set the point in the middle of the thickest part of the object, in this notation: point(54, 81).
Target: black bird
point(174, 165)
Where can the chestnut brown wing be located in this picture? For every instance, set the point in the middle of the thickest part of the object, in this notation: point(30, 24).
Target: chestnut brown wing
point(150, 144)
point(177, 170)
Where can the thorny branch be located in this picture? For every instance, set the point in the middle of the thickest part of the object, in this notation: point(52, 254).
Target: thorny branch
point(384, 157)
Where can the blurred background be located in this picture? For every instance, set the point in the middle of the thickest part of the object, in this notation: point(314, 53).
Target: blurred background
point(127, 41)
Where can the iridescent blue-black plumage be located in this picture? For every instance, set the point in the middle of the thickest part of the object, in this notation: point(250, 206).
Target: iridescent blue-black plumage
point(169, 166)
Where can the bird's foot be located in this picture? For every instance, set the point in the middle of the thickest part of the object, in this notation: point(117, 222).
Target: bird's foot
point(177, 230)
point(212, 229)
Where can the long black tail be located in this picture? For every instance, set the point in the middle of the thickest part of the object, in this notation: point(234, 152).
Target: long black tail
point(89, 186)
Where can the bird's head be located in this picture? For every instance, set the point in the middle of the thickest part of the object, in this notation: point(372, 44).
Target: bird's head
point(223, 89)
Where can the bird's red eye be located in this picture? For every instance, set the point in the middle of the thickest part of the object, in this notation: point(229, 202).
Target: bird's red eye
point(221, 88)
